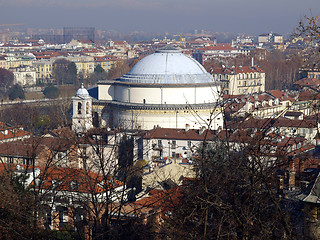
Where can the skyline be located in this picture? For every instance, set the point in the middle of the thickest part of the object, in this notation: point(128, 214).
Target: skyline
point(248, 16)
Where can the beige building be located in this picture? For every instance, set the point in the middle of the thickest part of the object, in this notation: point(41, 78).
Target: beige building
point(14, 60)
point(240, 80)
point(24, 75)
point(106, 62)
point(270, 38)
point(84, 64)
point(44, 70)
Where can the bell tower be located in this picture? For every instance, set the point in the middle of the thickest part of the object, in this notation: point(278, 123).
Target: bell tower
point(82, 111)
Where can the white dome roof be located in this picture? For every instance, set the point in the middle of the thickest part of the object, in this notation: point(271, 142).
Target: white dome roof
point(167, 65)
point(82, 92)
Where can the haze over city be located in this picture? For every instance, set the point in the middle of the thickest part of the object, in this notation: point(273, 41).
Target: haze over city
point(248, 16)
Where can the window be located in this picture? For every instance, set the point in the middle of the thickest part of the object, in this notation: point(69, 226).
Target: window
point(189, 144)
point(59, 156)
point(79, 107)
point(87, 108)
point(159, 143)
point(27, 161)
point(74, 185)
point(174, 143)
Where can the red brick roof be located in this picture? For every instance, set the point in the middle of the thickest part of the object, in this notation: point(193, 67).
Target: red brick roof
point(308, 95)
point(312, 82)
point(7, 132)
point(246, 69)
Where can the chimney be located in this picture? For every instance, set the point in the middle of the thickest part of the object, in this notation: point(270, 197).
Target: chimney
point(252, 62)
point(187, 128)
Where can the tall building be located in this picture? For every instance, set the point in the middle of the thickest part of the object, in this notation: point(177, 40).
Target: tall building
point(167, 89)
point(78, 33)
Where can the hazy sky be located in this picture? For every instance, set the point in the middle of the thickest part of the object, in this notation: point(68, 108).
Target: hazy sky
point(247, 16)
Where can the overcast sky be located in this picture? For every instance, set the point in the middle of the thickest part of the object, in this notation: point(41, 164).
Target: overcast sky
point(245, 16)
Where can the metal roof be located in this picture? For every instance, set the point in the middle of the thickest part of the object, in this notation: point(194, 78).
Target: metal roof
point(167, 66)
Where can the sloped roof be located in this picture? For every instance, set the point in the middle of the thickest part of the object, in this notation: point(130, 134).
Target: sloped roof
point(179, 134)
point(312, 193)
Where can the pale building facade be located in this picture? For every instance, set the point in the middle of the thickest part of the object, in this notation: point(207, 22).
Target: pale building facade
point(240, 80)
point(82, 111)
point(24, 76)
point(167, 89)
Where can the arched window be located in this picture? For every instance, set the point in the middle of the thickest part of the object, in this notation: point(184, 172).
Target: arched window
point(87, 108)
point(79, 107)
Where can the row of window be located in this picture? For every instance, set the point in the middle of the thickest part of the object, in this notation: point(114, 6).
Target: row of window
point(248, 75)
point(173, 143)
point(249, 83)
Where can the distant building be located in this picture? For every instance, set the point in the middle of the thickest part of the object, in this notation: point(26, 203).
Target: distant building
point(240, 80)
point(44, 69)
point(49, 38)
point(210, 52)
point(24, 75)
point(78, 33)
point(270, 38)
point(309, 72)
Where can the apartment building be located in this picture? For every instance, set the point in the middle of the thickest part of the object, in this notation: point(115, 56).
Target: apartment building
point(240, 80)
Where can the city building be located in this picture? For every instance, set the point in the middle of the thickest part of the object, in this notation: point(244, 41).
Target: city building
point(24, 75)
point(106, 62)
point(211, 52)
point(44, 70)
point(240, 80)
point(270, 38)
point(167, 89)
point(78, 33)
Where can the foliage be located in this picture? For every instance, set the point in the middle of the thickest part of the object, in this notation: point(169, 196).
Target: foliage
point(65, 72)
point(51, 92)
point(121, 68)
point(232, 198)
point(98, 69)
point(309, 26)
point(94, 77)
point(15, 92)
point(6, 80)
point(16, 205)
point(281, 68)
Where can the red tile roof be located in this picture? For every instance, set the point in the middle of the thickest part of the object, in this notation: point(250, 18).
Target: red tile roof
point(217, 48)
point(171, 133)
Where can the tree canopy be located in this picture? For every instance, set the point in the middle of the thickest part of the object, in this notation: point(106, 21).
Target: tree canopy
point(15, 92)
point(64, 72)
point(6, 80)
point(51, 92)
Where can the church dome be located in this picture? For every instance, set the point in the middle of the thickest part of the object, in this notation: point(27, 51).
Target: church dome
point(167, 65)
point(82, 92)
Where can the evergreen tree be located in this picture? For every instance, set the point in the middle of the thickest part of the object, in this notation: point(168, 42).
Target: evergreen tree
point(15, 92)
